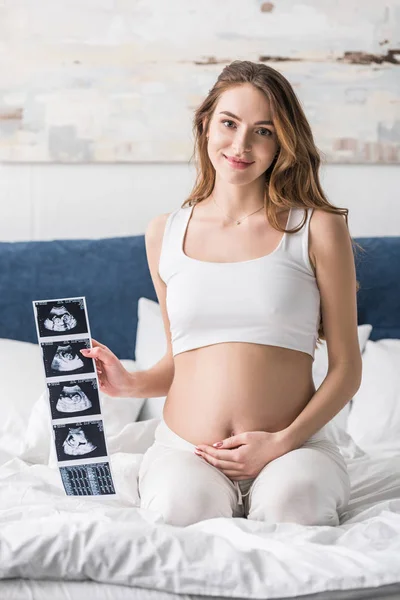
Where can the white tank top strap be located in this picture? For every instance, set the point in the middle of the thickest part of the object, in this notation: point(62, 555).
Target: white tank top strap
point(171, 247)
point(297, 244)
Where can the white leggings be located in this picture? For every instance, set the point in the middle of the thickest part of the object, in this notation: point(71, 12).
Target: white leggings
point(309, 485)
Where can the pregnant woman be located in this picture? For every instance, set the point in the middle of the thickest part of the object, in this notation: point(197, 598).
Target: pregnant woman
point(251, 271)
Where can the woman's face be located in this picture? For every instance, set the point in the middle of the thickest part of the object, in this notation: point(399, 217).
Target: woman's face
point(239, 136)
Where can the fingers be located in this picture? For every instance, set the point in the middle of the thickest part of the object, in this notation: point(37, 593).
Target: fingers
point(222, 465)
point(233, 474)
point(99, 374)
point(96, 343)
point(99, 352)
point(225, 455)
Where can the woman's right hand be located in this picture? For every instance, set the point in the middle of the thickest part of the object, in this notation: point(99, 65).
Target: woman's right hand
point(114, 379)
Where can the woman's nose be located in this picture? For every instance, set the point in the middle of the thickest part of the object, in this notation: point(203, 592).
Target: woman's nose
point(242, 144)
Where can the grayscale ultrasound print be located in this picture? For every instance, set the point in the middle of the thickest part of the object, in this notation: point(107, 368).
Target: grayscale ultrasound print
point(74, 398)
point(64, 358)
point(77, 440)
point(61, 317)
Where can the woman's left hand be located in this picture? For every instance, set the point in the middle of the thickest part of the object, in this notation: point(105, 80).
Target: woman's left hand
point(243, 456)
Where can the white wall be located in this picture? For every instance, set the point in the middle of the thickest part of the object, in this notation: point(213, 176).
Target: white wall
point(42, 202)
point(84, 141)
point(116, 81)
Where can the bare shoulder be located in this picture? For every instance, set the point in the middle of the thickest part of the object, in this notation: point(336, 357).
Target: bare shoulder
point(155, 229)
point(328, 233)
point(153, 243)
point(327, 222)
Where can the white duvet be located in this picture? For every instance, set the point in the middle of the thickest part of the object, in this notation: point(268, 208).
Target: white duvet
point(45, 534)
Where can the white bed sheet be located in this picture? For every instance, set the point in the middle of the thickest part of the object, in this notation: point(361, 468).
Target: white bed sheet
point(24, 589)
point(45, 535)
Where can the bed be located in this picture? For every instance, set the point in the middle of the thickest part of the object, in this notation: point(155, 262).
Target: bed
point(56, 546)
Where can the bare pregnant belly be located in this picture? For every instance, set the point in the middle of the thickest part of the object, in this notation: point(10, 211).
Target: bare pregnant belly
point(228, 388)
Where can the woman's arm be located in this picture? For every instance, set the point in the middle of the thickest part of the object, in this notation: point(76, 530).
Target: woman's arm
point(336, 279)
point(156, 381)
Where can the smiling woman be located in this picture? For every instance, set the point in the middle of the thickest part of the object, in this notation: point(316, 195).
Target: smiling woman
point(251, 272)
point(247, 143)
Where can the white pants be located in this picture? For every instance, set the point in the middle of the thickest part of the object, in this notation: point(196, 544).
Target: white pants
point(309, 485)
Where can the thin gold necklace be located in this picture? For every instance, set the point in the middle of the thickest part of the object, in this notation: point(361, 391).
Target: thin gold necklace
point(237, 221)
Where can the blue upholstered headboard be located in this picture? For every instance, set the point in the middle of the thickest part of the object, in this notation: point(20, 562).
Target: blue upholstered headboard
point(113, 274)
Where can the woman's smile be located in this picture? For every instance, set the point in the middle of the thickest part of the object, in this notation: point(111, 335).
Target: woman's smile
point(237, 165)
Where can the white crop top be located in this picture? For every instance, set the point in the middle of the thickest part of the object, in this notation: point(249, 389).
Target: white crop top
point(272, 300)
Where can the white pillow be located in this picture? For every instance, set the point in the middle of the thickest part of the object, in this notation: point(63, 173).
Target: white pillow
point(22, 381)
point(151, 346)
point(374, 419)
point(24, 426)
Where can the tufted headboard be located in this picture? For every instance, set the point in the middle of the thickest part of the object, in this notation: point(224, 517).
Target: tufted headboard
point(113, 274)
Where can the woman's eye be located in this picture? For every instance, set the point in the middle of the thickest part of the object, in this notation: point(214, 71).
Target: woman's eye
point(267, 130)
point(267, 134)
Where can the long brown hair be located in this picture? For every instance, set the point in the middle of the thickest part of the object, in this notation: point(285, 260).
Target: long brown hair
point(292, 179)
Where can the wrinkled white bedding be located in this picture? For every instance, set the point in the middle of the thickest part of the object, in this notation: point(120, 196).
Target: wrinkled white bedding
point(45, 534)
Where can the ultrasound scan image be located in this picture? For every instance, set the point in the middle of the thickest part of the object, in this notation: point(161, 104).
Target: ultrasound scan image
point(80, 439)
point(66, 359)
point(72, 399)
point(60, 319)
point(76, 442)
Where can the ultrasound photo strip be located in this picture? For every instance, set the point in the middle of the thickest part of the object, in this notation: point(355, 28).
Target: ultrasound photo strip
point(61, 317)
point(62, 327)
